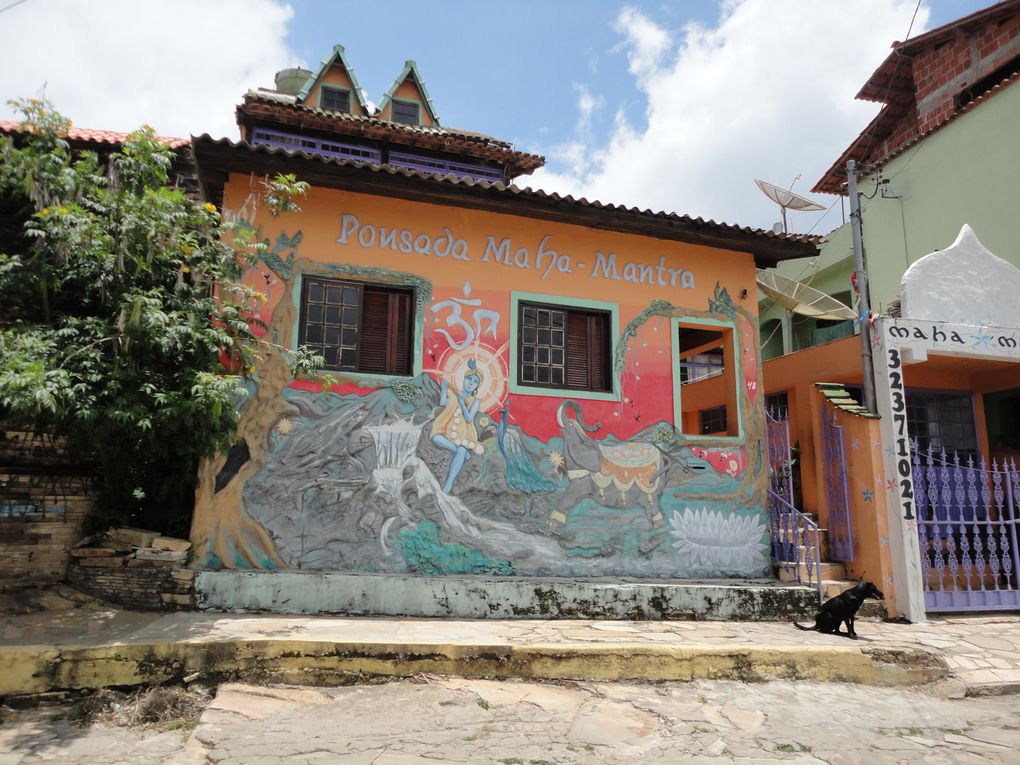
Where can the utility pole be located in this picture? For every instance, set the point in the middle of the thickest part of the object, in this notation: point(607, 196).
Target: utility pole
point(864, 304)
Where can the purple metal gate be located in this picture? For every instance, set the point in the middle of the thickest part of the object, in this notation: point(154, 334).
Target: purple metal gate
point(967, 524)
point(837, 499)
point(795, 537)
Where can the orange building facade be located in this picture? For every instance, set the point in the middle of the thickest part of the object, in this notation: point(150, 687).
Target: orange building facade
point(505, 372)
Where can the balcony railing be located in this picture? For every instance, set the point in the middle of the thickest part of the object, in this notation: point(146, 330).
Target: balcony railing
point(444, 167)
point(337, 150)
point(332, 149)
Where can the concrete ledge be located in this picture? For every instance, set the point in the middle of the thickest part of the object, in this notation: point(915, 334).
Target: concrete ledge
point(1005, 688)
point(39, 669)
point(290, 592)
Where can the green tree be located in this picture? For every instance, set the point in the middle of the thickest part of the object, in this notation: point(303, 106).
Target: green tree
point(124, 324)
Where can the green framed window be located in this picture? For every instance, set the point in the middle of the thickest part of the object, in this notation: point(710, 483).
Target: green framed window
point(335, 99)
point(563, 346)
point(405, 112)
point(705, 355)
point(358, 327)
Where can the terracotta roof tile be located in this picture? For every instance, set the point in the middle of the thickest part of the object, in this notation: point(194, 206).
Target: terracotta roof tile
point(281, 111)
point(92, 135)
point(284, 99)
point(834, 180)
point(892, 84)
point(800, 245)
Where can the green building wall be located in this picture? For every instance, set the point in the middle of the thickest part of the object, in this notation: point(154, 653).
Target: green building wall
point(967, 172)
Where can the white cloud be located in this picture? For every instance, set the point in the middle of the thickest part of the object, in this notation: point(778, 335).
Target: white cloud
point(180, 67)
point(587, 104)
point(768, 93)
point(647, 42)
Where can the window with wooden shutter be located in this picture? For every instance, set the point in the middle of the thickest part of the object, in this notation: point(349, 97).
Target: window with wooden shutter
point(358, 327)
point(563, 347)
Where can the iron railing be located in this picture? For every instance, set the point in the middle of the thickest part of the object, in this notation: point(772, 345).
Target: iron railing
point(796, 538)
point(310, 145)
point(967, 526)
point(279, 139)
point(444, 167)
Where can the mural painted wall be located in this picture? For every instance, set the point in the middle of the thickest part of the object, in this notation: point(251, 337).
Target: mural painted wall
point(458, 467)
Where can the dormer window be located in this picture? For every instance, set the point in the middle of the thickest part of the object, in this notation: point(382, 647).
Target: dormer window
point(405, 112)
point(335, 99)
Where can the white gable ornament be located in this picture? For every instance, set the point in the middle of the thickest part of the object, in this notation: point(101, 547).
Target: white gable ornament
point(962, 284)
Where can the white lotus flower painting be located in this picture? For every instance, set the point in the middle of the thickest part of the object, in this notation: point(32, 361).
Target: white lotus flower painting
point(717, 541)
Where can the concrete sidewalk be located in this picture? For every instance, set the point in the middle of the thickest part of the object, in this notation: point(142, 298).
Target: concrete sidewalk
point(97, 646)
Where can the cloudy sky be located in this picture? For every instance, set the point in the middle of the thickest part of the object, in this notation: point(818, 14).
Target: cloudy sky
point(666, 105)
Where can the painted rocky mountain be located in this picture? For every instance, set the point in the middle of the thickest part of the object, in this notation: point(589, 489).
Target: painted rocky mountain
point(354, 483)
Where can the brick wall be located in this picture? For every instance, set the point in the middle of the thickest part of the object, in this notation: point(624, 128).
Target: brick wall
point(45, 496)
point(134, 584)
point(943, 71)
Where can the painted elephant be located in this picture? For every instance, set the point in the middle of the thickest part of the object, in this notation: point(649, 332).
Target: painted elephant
point(614, 475)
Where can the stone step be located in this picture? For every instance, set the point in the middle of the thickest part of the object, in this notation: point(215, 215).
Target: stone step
point(800, 530)
point(824, 570)
point(802, 553)
point(481, 597)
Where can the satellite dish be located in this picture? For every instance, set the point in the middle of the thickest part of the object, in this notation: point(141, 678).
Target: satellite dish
point(786, 199)
point(797, 297)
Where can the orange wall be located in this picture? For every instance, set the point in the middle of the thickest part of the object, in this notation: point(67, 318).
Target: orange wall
point(408, 91)
point(507, 473)
point(796, 373)
point(866, 493)
point(1000, 379)
point(337, 76)
point(840, 362)
point(647, 377)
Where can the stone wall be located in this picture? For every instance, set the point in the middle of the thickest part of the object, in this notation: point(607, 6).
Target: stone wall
point(45, 495)
point(134, 584)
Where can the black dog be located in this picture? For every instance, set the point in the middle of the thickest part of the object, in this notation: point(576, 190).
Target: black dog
point(843, 608)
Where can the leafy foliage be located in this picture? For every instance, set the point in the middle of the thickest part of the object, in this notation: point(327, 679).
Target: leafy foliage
point(125, 324)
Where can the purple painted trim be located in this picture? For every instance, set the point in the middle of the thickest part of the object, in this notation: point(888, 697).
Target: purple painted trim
point(338, 150)
point(967, 526)
point(777, 439)
point(837, 496)
point(796, 539)
point(308, 145)
point(975, 600)
point(444, 167)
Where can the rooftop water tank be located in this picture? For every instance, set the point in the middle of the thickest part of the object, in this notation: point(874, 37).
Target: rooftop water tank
point(290, 81)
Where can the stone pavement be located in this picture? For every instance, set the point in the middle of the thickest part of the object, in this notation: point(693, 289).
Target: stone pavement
point(96, 646)
point(432, 720)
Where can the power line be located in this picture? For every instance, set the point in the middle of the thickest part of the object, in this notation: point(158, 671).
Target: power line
point(8, 7)
point(870, 137)
point(916, 9)
point(838, 199)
